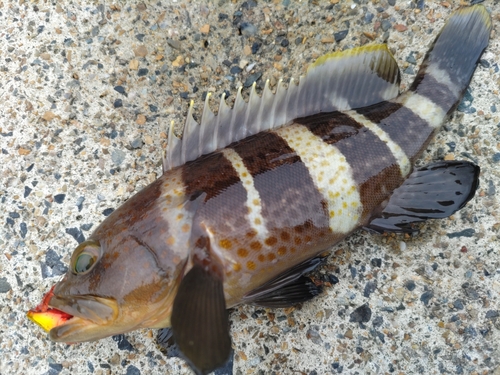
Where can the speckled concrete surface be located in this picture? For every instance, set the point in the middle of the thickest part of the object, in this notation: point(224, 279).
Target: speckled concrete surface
point(87, 91)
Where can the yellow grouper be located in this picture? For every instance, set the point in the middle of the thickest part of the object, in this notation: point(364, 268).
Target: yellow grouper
point(249, 198)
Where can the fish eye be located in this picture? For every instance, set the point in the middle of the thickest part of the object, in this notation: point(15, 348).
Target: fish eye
point(85, 257)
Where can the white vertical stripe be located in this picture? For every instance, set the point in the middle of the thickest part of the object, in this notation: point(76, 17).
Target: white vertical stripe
point(397, 151)
point(172, 207)
point(442, 77)
point(253, 203)
point(424, 108)
point(331, 174)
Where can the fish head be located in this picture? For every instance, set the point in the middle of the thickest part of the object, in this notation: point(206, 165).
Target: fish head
point(124, 277)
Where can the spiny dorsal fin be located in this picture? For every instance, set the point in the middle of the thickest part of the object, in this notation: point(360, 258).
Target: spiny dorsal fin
point(337, 81)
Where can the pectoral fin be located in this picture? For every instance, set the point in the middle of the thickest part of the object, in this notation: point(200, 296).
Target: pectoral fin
point(289, 288)
point(435, 191)
point(200, 321)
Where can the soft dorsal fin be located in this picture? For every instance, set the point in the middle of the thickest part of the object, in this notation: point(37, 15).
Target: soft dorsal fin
point(337, 81)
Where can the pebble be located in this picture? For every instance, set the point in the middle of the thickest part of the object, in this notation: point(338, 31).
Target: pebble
point(314, 336)
point(59, 198)
point(137, 143)
point(410, 285)
point(132, 370)
point(123, 343)
point(464, 233)
point(120, 89)
point(370, 287)
point(247, 29)
point(76, 234)
point(426, 297)
point(4, 285)
point(175, 44)
point(235, 70)
point(251, 79)
point(53, 266)
point(205, 29)
point(490, 314)
point(255, 47)
point(117, 156)
point(140, 51)
point(362, 314)
point(118, 103)
point(386, 25)
point(340, 35)
point(491, 191)
point(411, 58)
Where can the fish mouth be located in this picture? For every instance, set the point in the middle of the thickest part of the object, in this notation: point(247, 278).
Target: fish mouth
point(74, 318)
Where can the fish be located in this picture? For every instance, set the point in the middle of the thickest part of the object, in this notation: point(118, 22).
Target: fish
point(251, 198)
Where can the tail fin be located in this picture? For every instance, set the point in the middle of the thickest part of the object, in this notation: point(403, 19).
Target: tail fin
point(452, 59)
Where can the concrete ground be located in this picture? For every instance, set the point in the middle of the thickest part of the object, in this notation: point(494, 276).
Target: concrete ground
point(87, 92)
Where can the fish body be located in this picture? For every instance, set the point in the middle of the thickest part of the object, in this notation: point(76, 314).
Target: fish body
point(248, 198)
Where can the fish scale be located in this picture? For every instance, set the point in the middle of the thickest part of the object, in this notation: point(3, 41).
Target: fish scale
point(250, 198)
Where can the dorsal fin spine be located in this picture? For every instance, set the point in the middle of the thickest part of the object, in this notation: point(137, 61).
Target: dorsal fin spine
point(336, 81)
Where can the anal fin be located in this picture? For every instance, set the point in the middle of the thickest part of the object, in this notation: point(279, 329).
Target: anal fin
point(200, 321)
point(289, 288)
point(435, 191)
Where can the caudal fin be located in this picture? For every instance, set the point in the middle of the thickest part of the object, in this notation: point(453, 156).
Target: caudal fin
point(452, 59)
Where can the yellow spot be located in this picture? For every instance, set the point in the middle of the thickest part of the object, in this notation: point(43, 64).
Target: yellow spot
point(238, 165)
point(180, 216)
point(248, 182)
point(256, 245)
point(297, 240)
point(271, 241)
point(344, 180)
point(244, 174)
point(354, 204)
point(170, 240)
point(257, 221)
point(271, 257)
point(256, 202)
point(342, 168)
point(225, 244)
point(185, 228)
point(236, 267)
point(344, 204)
point(282, 251)
point(242, 252)
point(261, 258)
point(332, 214)
point(340, 212)
point(250, 265)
